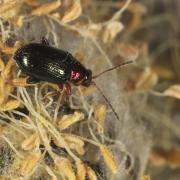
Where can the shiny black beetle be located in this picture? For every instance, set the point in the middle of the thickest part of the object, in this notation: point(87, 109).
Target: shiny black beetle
point(45, 63)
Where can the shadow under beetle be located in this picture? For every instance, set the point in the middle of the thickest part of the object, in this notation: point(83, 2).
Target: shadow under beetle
point(45, 63)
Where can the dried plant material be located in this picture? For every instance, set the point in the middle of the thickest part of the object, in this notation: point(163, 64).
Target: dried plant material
point(5, 90)
point(6, 87)
point(87, 91)
point(135, 23)
point(138, 8)
point(173, 91)
point(20, 82)
point(10, 8)
point(19, 21)
point(111, 31)
point(100, 115)
point(33, 3)
point(30, 162)
point(94, 29)
point(5, 49)
point(145, 177)
point(90, 173)
point(31, 142)
point(108, 158)
point(2, 66)
point(73, 12)
point(162, 157)
point(7, 72)
point(73, 139)
point(10, 105)
point(81, 171)
point(156, 159)
point(79, 149)
point(173, 158)
point(128, 51)
point(46, 8)
point(56, 15)
point(51, 173)
point(18, 44)
point(65, 168)
point(68, 120)
point(3, 130)
point(163, 72)
point(74, 143)
point(147, 79)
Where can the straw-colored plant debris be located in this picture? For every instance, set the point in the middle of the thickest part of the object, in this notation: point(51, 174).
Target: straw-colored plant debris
point(91, 174)
point(146, 177)
point(68, 120)
point(65, 168)
point(46, 8)
point(31, 143)
point(173, 91)
point(10, 8)
point(111, 30)
point(100, 115)
point(6, 87)
point(108, 157)
point(73, 12)
point(29, 163)
point(147, 79)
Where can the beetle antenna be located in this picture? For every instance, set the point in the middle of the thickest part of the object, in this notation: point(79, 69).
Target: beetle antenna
point(110, 69)
point(107, 101)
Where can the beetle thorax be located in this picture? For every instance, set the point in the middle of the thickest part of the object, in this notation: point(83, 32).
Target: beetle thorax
point(75, 75)
point(83, 78)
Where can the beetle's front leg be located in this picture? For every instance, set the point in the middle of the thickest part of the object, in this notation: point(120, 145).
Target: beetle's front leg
point(65, 87)
point(62, 88)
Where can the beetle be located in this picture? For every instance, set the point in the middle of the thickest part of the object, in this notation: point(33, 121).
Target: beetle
point(43, 62)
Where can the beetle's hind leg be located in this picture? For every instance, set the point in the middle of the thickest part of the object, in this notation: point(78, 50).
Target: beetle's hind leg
point(65, 89)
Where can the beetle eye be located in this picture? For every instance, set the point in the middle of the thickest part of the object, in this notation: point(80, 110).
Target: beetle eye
point(75, 75)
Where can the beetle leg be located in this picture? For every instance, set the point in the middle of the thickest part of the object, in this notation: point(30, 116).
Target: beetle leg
point(32, 80)
point(66, 87)
point(49, 94)
point(44, 41)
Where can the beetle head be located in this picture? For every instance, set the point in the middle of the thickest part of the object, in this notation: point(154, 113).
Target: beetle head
point(83, 78)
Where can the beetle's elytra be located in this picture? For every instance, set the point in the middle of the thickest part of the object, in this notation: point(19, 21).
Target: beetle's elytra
point(45, 63)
